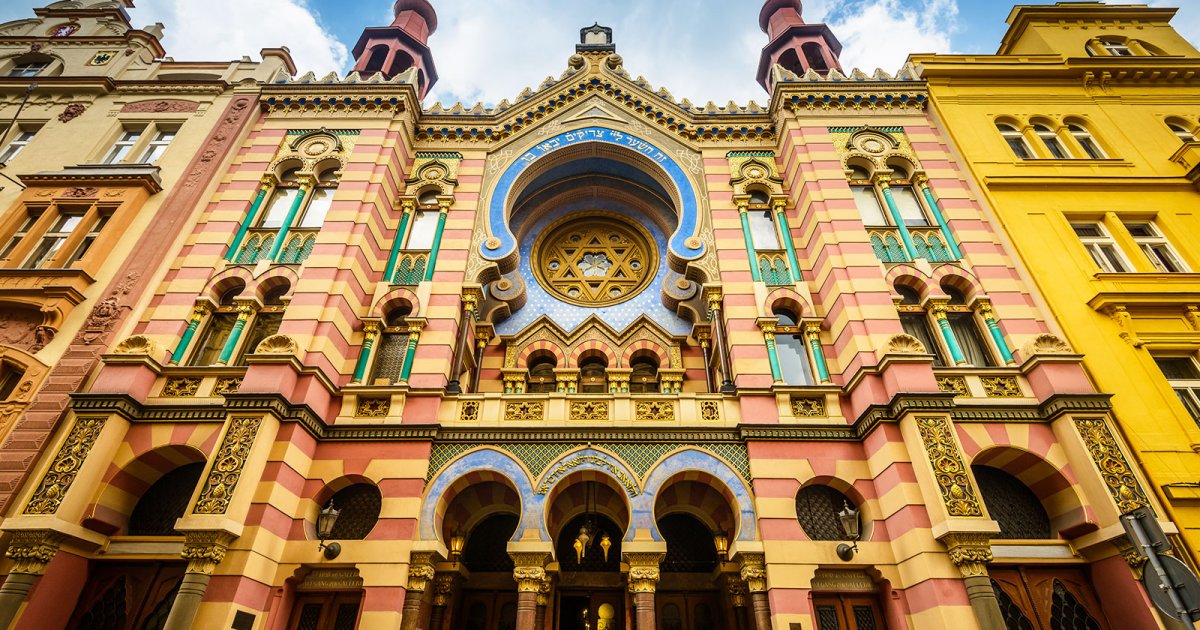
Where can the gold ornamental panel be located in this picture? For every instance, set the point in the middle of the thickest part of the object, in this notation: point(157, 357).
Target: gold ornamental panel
point(595, 259)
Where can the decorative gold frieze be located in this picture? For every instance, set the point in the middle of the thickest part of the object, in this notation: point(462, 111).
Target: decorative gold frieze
point(643, 571)
point(948, 467)
point(469, 411)
point(528, 411)
point(1001, 386)
point(65, 467)
point(330, 579)
point(589, 411)
point(970, 552)
point(373, 406)
point(227, 466)
point(227, 385)
point(181, 386)
point(710, 411)
point(808, 406)
point(654, 411)
point(1114, 469)
point(956, 385)
point(32, 549)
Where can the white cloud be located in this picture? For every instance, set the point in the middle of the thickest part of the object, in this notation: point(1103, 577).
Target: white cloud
point(882, 33)
point(227, 29)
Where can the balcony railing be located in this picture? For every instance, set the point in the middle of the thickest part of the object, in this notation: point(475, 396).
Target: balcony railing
point(773, 267)
point(257, 247)
point(410, 269)
point(927, 242)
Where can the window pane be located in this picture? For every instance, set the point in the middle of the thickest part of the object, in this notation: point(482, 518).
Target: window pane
point(1178, 368)
point(917, 325)
point(910, 209)
point(314, 217)
point(389, 357)
point(265, 325)
point(208, 350)
point(793, 360)
point(1018, 146)
point(281, 202)
point(424, 226)
point(1190, 397)
point(1115, 264)
point(762, 230)
point(1090, 230)
point(970, 340)
point(868, 206)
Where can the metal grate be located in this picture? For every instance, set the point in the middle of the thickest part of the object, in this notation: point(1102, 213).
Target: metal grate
point(864, 618)
point(358, 507)
point(1014, 617)
point(164, 502)
point(108, 612)
point(1014, 506)
point(347, 617)
point(1066, 613)
point(827, 618)
point(690, 546)
point(817, 507)
point(390, 356)
point(310, 617)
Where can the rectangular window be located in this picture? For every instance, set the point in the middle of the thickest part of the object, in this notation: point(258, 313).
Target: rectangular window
point(1156, 247)
point(1184, 377)
point(17, 144)
point(318, 207)
point(123, 146)
point(208, 349)
point(158, 145)
point(910, 209)
point(917, 325)
point(22, 231)
point(869, 206)
point(53, 240)
point(88, 239)
point(762, 229)
point(389, 357)
point(970, 340)
point(28, 69)
point(1102, 248)
point(424, 228)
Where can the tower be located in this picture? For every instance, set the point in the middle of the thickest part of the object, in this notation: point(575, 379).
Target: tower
point(402, 45)
point(793, 44)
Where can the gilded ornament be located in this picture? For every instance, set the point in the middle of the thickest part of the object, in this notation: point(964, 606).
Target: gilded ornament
point(65, 467)
point(754, 572)
point(654, 411)
point(808, 406)
point(469, 411)
point(1001, 386)
point(1114, 469)
point(32, 549)
point(420, 571)
point(948, 468)
point(227, 385)
point(181, 386)
point(956, 385)
point(204, 550)
point(139, 344)
point(969, 551)
point(904, 344)
point(589, 411)
point(531, 411)
point(594, 259)
point(710, 411)
point(227, 466)
point(598, 461)
point(373, 406)
point(443, 589)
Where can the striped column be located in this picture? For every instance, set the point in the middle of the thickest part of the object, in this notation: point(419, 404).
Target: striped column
point(198, 314)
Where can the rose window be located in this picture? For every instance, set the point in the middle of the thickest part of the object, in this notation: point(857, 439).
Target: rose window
point(595, 259)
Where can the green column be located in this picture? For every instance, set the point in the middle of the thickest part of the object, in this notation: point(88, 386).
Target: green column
point(985, 311)
point(898, 220)
point(235, 334)
point(287, 221)
point(414, 333)
point(405, 212)
point(437, 238)
point(198, 314)
point(782, 221)
point(249, 220)
point(754, 272)
point(812, 331)
point(941, 220)
point(769, 336)
point(364, 357)
point(956, 355)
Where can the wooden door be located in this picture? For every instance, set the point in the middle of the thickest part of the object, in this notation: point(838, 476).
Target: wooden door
point(487, 610)
point(127, 595)
point(1047, 599)
point(847, 612)
point(688, 611)
point(325, 611)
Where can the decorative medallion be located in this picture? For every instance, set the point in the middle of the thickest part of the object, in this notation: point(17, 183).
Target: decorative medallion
point(181, 386)
point(948, 468)
point(595, 259)
point(654, 411)
point(469, 411)
point(533, 411)
point(808, 407)
point(710, 410)
point(589, 410)
point(1001, 386)
point(956, 385)
point(373, 406)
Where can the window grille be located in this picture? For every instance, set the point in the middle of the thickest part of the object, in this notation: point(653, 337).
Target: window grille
point(164, 502)
point(817, 508)
point(1014, 506)
point(358, 506)
point(1067, 613)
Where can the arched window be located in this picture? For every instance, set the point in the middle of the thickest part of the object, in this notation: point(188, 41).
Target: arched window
point(817, 508)
point(423, 230)
point(428, 198)
point(322, 197)
point(393, 345)
point(815, 57)
point(282, 199)
point(216, 331)
point(376, 60)
point(866, 198)
point(966, 330)
point(164, 502)
point(401, 62)
point(1015, 141)
point(915, 321)
point(759, 198)
point(643, 379)
point(1051, 142)
point(358, 509)
point(266, 321)
point(30, 65)
point(912, 212)
point(791, 349)
point(541, 375)
point(1185, 134)
point(1086, 141)
point(690, 545)
point(592, 375)
point(1014, 506)
point(762, 228)
point(1116, 48)
point(791, 62)
point(10, 376)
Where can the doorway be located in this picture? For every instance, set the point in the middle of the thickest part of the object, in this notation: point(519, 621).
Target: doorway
point(127, 595)
point(1047, 599)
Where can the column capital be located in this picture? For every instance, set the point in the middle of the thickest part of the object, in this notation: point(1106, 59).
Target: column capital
point(767, 325)
point(882, 179)
point(543, 594)
point(920, 179)
point(484, 334)
point(735, 588)
point(32, 549)
point(408, 204)
point(529, 570)
point(714, 296)
point(245, 308)
point(444, 202)
point(205, 549)
point(443, 589)
point(370, 329)
point(754, 571)
point(643, 570)
point(471, 297)
point(742, 202)
point(969, 551)
point(268, 181)
point(421, 570)
point(812, 329)
point(200, 311)
point(983, 306)
point(938, 308)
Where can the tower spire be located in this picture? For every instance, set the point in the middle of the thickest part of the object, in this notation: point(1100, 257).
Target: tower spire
point(402, 45)
point(792, 43)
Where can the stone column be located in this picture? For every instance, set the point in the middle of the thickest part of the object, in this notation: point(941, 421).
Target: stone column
point(971, 552)
point(203, 550)
point(420, 574)
point(714, 296)
point(754, 574)
point(529, 573)
point(31, 550)
point(471, 297)
point(443, 596)
point(735, 588)
point(543, 600)
point(643, 580)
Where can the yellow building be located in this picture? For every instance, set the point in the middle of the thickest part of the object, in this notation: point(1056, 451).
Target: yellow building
point(1080, 132)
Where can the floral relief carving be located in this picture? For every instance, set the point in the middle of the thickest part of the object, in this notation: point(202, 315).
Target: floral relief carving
point(373, 406)
point(227, 466)
point(65, 467)
point(160, 106)
point(654, 411)
point(71, 112)
point(1001, 386)
point(948, 468)
point(181, 386)
point(469, 412)
point(1046, 344)
point(1114, 469)
point(532, 411)
point(710, 411)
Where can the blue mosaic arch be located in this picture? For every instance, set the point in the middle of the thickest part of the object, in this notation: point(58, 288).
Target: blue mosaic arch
point(588, 458)
point(692, 459)
point(689, 216)
point(484, 459)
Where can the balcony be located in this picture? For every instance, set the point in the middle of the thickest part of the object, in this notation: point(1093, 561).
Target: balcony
point(410, 268)
point(927, 242)
point(773, 267)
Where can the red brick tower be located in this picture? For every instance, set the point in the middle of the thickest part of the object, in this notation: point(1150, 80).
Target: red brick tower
point(400, 46)
point(793, 44)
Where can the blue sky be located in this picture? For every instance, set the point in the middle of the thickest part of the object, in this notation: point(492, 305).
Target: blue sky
point(491, 49)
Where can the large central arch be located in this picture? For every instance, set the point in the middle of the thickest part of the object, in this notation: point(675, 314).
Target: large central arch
point(683, 243)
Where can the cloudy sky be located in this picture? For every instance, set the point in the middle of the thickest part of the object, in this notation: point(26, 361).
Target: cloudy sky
point(489, 50)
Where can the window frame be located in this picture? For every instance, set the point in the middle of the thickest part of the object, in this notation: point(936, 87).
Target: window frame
point(1094, 244)
point(1110, 46)
point(1158, 243)
point(1014, 134)
point(141, 147)
point(1187, 390)
point(27, 238)
point(23, 70)
point(26, 132)
point(1185, 133)
point(796, 331)
point(1051, 141)
point(1086, 141)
